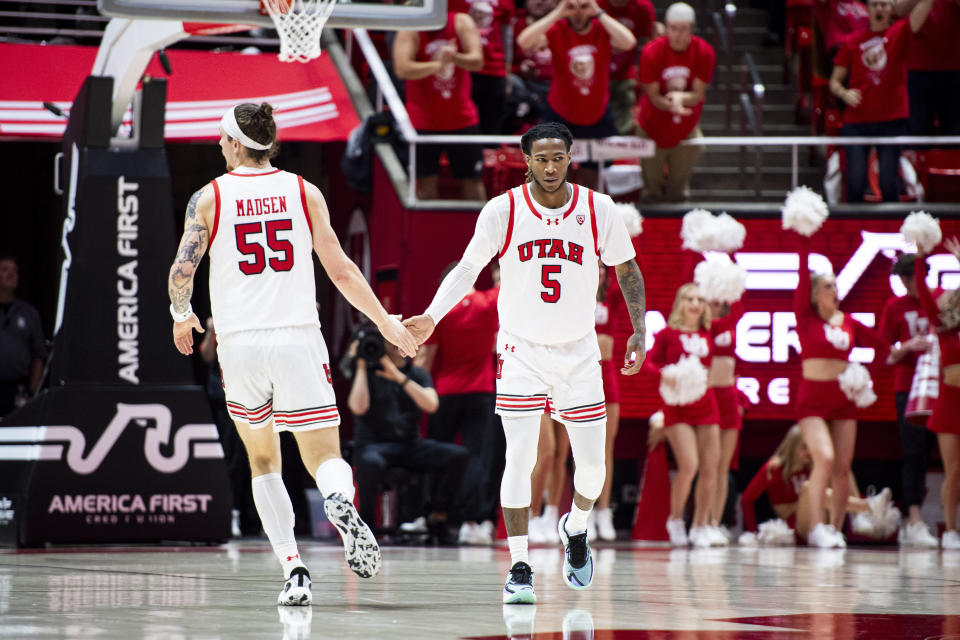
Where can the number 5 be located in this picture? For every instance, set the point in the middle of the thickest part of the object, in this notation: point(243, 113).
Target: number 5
point(554, 287)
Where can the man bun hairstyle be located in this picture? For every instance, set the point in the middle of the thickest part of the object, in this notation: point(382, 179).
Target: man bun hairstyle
point(545, 130)
point(258, 123)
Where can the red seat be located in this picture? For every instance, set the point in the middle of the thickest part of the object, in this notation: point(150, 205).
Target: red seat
point(939, 171)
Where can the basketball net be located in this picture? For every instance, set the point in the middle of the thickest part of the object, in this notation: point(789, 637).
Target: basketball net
point(299, 23)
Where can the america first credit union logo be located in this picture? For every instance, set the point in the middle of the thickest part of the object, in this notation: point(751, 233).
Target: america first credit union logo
point(54, 443)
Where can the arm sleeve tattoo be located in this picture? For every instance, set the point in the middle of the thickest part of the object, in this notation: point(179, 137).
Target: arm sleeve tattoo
point(634, 294)
point(193, 245)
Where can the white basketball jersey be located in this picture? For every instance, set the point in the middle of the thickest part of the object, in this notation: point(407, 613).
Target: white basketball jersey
point(549, 264)
point(261, 246)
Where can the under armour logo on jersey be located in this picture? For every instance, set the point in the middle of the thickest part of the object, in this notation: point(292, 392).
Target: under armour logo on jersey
point(295, 557)
point(580, 219)
point(552, 221)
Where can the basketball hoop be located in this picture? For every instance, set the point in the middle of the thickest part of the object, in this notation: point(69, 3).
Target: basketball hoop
point(299, 23)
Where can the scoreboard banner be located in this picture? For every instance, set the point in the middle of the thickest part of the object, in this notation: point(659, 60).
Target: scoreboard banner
point(859, 251)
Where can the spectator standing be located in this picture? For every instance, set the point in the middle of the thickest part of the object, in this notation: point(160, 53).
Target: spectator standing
point(905, 326)
point(640, 18)
point(387, 406)
point(493, 18)
point(675, 71)
point(534, 64)
point(22, 348)
point(582, 37)
point(933, 79)
point(436, 66)
point(459, 356)
point(876, 98)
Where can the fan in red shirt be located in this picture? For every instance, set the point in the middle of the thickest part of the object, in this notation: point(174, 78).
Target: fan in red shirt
point(489, 93)
point(675, 71)
point(905, 326)
point(582, 37)
point(640, 18)
point(933, 79)
point(876, 98)
point(436, 66)
point(534, 66)
point(459, 357)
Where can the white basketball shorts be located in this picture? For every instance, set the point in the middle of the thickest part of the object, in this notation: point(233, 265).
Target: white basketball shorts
point(564, 379)
point(283, 374)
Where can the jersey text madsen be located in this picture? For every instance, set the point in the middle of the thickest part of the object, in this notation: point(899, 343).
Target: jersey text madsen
point(551, 248)
point(261, 206)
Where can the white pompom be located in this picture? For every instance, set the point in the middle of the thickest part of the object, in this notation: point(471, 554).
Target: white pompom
point(631, 217)
point(804, 211)
point(856, 384)
point(730, 233)
point(656, 420)
point(923, 230)
point(719, 278)
point(747, 539)
point(776, 533)
point(689, 378)
point(698, 230)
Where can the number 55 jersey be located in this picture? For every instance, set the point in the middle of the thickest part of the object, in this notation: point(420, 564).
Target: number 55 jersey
point(548, 260)
point(261, 267)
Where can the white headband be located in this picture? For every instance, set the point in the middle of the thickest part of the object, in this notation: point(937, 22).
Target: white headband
point(229, 124)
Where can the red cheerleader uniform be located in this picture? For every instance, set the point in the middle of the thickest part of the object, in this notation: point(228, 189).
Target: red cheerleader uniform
point(947, 408)
point(668, 347)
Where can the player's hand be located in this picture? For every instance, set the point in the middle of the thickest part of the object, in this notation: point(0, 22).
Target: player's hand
point(420, 326)
point(394, 331)
point(635, 355)
point(183, 333)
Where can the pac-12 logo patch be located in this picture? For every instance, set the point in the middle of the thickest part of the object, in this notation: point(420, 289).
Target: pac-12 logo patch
point(580, 219)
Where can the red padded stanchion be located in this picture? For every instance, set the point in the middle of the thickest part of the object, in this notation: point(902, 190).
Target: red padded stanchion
point(653, 509)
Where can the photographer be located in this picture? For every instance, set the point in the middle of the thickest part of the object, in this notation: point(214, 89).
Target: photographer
point(387, 406)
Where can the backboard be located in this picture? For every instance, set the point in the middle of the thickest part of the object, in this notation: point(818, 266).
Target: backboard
point(369, 14)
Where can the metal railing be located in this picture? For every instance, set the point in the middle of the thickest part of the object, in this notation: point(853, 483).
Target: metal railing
point(725, 30)
point(751, 96)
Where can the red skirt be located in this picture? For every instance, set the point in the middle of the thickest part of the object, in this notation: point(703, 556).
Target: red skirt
point(728, 407)
point(946, 412)
point(823, 399)
point(611, 381)
point(701, 412)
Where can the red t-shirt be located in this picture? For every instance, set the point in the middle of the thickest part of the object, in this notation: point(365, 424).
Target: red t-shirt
point(542, 58)
point(839, 18)
point(935, 46)
point(441, 102)
point(465, 338)
point(638, 16)
point(491, 16)
point(902, 318)
point(876, 61)
point(580, 90)
point(675, 72)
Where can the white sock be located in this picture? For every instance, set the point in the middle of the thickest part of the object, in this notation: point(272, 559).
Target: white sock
point(518, 549)
point(577, 520)
point(551, 513)
point(335, 476)
point(276, 513)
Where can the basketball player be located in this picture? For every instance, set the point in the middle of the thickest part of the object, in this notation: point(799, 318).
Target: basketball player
point(261, 224)
point(547, 235)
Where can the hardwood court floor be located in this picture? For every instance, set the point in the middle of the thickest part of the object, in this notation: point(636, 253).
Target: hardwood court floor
point(229, 592)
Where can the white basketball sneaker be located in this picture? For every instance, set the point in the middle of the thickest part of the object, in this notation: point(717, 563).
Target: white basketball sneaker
point(916, 534)
point(700, 537)
point(825, 536)
point(296, 590)
point(950, 540)
point(678, 532)
point(605, 528)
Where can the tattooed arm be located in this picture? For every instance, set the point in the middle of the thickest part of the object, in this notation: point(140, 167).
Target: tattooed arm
point(634, 294)
point(193, 244)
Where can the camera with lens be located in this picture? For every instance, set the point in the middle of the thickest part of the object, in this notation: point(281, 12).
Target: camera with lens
point(370, 347)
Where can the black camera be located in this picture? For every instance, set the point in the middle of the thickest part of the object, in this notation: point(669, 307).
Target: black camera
point(370, 346)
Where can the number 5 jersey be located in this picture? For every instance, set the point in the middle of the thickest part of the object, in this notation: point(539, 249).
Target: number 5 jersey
point(261, 267)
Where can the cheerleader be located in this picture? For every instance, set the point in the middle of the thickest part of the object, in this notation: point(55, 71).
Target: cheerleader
point(681, 351)
point(828, 394)
point(944, 314)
